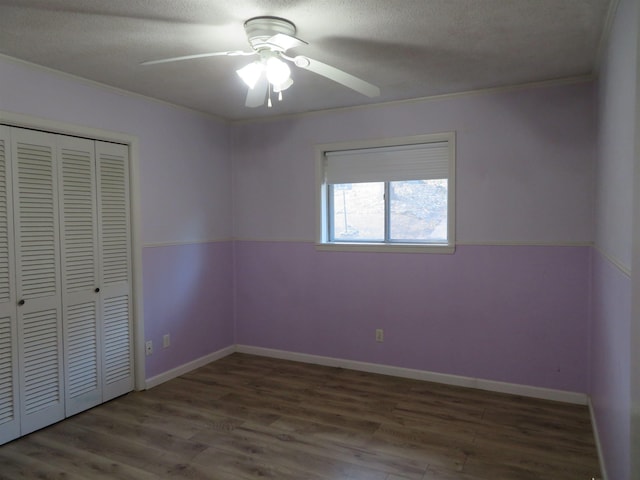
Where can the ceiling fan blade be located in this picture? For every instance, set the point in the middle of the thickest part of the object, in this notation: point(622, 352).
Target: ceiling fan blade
point(257, 94)
point(232, 53)
point(337, 75)
point(285, 42)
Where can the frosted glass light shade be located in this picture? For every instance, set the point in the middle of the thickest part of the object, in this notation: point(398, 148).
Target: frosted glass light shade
point(250, 74)
point(278, 72)
point(283, 86)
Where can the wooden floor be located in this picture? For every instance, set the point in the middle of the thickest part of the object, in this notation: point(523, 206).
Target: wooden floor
point(251, 417)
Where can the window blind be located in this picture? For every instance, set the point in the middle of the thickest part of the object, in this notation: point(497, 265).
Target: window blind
point(424, 161)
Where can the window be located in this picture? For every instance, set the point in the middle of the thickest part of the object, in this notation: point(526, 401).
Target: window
point(390, 195)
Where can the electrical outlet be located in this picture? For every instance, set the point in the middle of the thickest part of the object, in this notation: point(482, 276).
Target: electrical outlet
point(148, 347)
point(379, 335)
point(166, 341)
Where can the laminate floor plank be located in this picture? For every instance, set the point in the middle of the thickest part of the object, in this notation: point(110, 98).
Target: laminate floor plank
point(75, 461)
point(171, 424)
point(186, 417)
point(324, 415)
point(186, 390)
point(245, 417)
point(145, 436)
point(249, 466)
point(290, 458)
point(121, 449)
point(384, 449)
point(309, 448)
point(436, 472)
point(16, 467)
point(571, 448)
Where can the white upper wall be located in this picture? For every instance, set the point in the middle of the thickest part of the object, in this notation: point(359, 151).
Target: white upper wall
point(524, 163)
point(185, 166)
point(616, 139)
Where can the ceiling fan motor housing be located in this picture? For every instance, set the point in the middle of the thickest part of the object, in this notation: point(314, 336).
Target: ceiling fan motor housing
point(261, 29)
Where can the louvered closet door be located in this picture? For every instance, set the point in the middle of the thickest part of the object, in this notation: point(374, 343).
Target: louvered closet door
point(9, 408)
point(80, 287)
point(115, 268)
point(38, 279)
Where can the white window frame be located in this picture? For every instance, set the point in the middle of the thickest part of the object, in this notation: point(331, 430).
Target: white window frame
point(322, 198)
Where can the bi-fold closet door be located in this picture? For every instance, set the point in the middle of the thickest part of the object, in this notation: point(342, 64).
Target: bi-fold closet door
point(64, 277)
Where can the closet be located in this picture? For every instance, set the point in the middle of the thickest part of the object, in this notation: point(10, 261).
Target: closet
point(65, 277)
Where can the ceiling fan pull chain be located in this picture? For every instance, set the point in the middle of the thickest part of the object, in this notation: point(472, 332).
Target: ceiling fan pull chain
point(269, 105)
point(280, 96)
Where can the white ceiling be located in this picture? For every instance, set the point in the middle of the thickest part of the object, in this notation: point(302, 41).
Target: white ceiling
point(408, 48)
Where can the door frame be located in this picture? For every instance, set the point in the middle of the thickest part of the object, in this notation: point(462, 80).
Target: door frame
point(53, 126)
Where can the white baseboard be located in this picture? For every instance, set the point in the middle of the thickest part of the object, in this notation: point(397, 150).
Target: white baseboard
point(458, 380)
point(447, 379)
point(187, 367)
point(594, 425)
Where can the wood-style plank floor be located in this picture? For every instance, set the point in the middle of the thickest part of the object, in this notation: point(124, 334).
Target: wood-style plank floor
point(248, 417)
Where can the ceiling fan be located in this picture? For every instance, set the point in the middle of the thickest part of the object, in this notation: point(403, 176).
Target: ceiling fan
point(270, 38)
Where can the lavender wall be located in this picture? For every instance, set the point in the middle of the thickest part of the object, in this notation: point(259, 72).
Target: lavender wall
point(511, 313)
point(491, 310)
point(185, 185)
point(611, 350)
point(190, 287)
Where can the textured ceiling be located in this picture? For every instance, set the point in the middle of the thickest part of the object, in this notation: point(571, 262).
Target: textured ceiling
point(409, 48)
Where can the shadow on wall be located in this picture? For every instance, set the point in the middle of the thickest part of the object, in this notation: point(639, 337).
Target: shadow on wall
point(187, 294)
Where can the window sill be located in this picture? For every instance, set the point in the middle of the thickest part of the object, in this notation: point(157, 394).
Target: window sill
point(385, 247)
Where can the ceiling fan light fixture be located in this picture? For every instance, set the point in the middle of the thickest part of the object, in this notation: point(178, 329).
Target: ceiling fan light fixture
point(278, 73)
point(251, 73)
